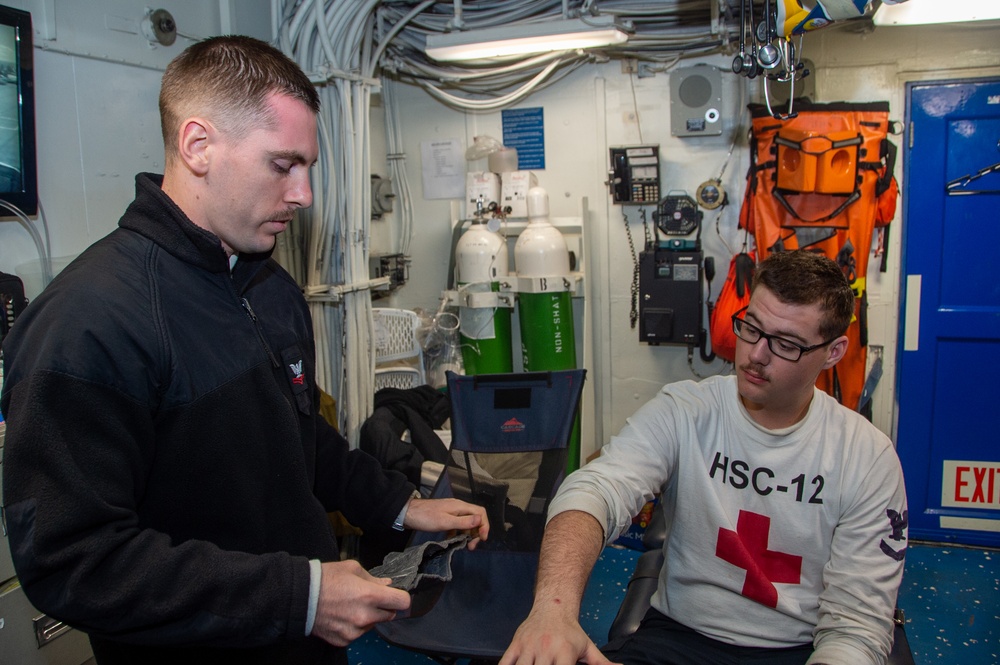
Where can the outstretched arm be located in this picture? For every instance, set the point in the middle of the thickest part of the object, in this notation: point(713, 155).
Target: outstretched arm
point(551, 635)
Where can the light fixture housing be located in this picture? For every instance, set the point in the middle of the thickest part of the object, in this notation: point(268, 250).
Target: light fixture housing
point(525, 39)
point(925, 12)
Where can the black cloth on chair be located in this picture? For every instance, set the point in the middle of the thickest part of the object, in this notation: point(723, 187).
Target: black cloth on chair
point(422, 570)
point(420, 410)
point(478, 610)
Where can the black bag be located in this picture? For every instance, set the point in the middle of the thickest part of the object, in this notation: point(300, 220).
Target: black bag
point(12, 301)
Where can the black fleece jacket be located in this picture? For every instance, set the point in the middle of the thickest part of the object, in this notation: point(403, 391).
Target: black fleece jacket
point(167, 473)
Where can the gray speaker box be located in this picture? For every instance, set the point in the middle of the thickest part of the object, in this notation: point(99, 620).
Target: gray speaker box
point(696, 101)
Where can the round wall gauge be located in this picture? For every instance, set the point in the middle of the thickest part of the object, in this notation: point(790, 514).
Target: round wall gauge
point(710, 194)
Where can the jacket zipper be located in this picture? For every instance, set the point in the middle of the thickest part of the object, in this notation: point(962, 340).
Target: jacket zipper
point(260, 335)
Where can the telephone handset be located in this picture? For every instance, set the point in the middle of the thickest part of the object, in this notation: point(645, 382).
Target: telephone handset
point(634, 176)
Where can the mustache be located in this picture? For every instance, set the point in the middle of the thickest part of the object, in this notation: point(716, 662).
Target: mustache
point(282, 216)
point(754, 368)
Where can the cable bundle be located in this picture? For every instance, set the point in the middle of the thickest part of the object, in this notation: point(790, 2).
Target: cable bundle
point(332, 42)
point(343, 45)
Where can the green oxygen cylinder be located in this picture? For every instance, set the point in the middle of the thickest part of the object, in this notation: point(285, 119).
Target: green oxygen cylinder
point(480, 260)
point(541, 259)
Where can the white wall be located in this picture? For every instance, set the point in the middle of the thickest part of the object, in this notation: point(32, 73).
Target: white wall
point(96, 85)
point(593, 109)
point(585, 114)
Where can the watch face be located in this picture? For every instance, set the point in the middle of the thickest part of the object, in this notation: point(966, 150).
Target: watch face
point(677, 216)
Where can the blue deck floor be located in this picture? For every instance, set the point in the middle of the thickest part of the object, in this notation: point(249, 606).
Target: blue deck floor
point(950, 595)
point(951, 598)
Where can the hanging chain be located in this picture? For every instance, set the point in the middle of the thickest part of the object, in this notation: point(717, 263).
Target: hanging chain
point(633, 315)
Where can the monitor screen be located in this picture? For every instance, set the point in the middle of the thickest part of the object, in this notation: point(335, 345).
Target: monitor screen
point(18, 178)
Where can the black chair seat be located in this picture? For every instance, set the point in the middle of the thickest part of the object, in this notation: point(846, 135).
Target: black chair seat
point(455, 626)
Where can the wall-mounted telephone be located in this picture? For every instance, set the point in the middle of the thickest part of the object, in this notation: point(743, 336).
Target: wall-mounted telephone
point(635, 174)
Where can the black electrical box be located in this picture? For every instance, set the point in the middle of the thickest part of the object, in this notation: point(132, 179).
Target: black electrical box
point(670, 296)
point(394, 266)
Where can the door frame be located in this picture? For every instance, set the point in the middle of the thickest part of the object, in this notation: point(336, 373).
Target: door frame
point(897, 311)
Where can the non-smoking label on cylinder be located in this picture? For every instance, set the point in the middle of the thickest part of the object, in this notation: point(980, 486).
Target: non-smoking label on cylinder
point(547, 341)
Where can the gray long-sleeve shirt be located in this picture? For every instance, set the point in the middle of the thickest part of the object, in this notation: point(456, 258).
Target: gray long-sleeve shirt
point(774, 538)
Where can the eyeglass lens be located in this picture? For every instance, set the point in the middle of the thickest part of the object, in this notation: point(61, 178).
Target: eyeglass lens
point(780, 347)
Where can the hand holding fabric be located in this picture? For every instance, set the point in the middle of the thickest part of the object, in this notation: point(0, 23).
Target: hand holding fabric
point(351, 602)
point(448, 515)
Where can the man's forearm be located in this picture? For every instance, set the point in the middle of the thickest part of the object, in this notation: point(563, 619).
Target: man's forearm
point(552, 632)
point(570, 548)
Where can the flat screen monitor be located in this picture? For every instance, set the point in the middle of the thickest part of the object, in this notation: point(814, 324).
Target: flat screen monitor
point(18, 175)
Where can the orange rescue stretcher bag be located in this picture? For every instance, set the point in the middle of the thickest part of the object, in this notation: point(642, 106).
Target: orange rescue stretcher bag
point(823, 181)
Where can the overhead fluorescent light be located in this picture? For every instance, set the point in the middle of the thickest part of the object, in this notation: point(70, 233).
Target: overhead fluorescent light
point(924, 12)
point(559, 35)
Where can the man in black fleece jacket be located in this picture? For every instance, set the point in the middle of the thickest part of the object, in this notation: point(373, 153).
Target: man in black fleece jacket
point(167, 475)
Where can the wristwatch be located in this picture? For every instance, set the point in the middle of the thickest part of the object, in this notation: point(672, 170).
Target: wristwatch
point(401, 517)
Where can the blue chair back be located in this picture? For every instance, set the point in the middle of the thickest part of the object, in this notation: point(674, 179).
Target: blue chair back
point(510, 413)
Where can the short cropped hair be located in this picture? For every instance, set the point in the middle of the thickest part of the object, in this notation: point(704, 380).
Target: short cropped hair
point(228, 80)
point(802, 277)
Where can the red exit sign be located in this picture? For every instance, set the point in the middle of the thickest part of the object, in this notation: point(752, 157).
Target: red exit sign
point(967, 484)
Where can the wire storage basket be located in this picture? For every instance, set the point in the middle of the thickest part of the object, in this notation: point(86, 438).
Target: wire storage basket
point(399, 359)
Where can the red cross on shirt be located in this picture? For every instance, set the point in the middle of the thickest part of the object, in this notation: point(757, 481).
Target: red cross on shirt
point(747, 548)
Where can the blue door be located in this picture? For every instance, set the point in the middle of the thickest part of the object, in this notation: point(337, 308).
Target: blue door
point(949, 370)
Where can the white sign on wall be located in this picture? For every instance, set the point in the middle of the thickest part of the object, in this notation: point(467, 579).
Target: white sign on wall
point(970, 484)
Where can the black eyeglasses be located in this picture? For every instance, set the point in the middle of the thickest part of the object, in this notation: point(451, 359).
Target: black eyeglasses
point(781, 347)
